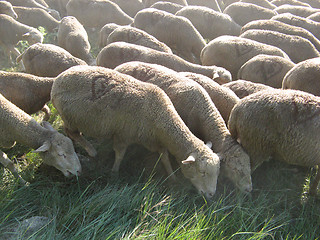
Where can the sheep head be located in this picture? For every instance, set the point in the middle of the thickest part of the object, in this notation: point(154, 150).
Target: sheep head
point(221, 75)
point(202, 169)
point(58, 151)
point(33, 37)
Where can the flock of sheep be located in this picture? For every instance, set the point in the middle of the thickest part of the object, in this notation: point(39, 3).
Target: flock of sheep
point(221, 85)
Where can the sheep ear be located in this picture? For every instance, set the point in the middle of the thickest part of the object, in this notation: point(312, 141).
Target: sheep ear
point(47, 125)
point(215, 75)
point(209, 144)
point(26, 35)
point(189, 160)
point(45, 147)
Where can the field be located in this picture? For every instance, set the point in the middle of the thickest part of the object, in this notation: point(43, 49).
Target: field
point(141, 203)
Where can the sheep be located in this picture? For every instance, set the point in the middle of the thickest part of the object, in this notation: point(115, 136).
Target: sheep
point(130, 111)
point(296, 10)
point(148, 3)
point(223, 98)
point(265, 69)
point(6, 8)
point(137, 36)
point(243, 88)
point(117, 53)
point(285, 28)
point(130, 7)
point(279, 124)
point(12, 31)
point(232, 52)
point(213, 4)
point(312, 3)
point(196, 109)
point(311, 26)
point(36, 17)
point(105, 32)
point(97, 13)
point(54, 148)
point(210, 23)
point(59, 5)
point(73, 37)
point(288, 43)
point(47, 60)
point(167, 6)
point(261, 3)
point(314, 17)
point(304, 76)
point(242, 13)
point(291, 2)
point(175, 31)
point(26, 91)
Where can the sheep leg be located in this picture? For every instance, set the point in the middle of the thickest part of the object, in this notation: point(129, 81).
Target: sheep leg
point(120, 150)
point(167, 165)
point(7, 163)
point(47, 112)
point(77, 137)
point(315, 183)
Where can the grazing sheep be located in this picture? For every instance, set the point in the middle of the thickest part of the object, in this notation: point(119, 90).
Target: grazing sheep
point(210, 23)
point(281, 27)
point(261, 3)
point(305, 76)
point(311, 26)
point(47, 60)
point(130, 7)
point(296, 10)
point(242, 13)
point(6, 8)
point(26, 91)
point(130, 111)
point(97, 13)
point(167, 6)
point(55, 149)
point(196, 109)
point(117, 53)
point(232, 52)
point(148, 3)
point(288, 43)
point(265, 69)
point(213, 4)
point(312, 3)
point(12, 31)
point(73, 37)
point(137, 36)
point(224, 99)
point(291, 2)
point(243, 88)
point(105, 32)
point(175, 31)
point(36, 17)
point(315, 17)
point(279, 124)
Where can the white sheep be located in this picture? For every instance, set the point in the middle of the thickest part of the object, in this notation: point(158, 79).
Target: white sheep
point(12, 31)
point(167, 6)
point(55, 149)
point(26, 91)
point(101, 102)
point(6, 8)
point(261, 3)
point(279, 124)
point(197, 110)
point(213, 4)
point(291, 2)
point(148, 3)
point(105, 32)
point(300, 11)
point(117, 53)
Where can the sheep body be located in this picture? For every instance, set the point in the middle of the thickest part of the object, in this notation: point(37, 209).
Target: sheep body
point(104, 33)
point(167, 6)
point(300, 11)
point(137, 36)
point(197, 110)
point(213, 4)
point(74, 38)
point(304, 76)
point(261, 3)
point(6, 8)
point(314, 17)
point(291, 2)
point(265, 69)
point(148, 3)
point(210, 23)
point(55, 149)
point(232, 52)
point(288, 43)
point(175, 31)
point(130, 111)
point(279, 124)
point(47, 60)
point(117, 53)
point(130, 7)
